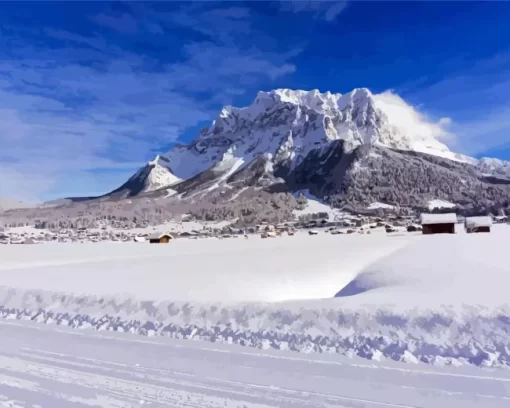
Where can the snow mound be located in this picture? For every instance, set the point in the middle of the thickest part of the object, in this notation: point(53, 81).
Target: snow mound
point(439, 270)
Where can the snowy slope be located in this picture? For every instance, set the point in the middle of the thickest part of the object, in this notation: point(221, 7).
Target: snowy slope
point(57, 368)
point(160, 175)
point(494, 166)
point(154, 175)
point(432, 272)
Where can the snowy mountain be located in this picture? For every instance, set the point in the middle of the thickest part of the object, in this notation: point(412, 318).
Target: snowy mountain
point(286, 133)
point(289, 124)
point(153, 176)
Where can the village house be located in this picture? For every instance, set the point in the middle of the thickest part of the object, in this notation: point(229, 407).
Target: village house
point(161, 239)
point(478, 224)
point(438, 223)
point(500, 219)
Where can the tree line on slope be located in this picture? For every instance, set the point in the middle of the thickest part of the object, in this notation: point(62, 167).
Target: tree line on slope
point(411, 181)
point(251, 208)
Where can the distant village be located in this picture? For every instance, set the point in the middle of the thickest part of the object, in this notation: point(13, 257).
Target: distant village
point(352, 224)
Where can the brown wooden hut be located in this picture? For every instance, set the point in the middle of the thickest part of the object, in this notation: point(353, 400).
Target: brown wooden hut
point(478, 224)
point(438, 223)
point(161, 239)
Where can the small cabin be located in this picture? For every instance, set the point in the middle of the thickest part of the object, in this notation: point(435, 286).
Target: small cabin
point(478, 224)
point(438, 223)
point(161, 239)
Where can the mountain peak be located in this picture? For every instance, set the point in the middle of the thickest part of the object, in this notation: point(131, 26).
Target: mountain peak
point(290, 123)
point(159, 160)
point(312, 99)
point(283, 128)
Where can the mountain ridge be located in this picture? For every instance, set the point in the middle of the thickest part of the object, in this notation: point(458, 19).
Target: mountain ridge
point(285, 126)
point(350, 150)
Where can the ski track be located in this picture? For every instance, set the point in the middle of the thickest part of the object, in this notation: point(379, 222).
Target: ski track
point(55, 367)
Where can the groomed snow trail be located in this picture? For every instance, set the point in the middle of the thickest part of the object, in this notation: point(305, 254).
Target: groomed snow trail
point(49, 366)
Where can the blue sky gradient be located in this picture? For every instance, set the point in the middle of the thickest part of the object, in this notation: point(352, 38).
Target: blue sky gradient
point(89, 91)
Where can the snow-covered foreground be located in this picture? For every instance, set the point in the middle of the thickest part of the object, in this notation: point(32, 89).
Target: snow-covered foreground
point(210, 270)
point(435, 299)
point(437, 272)
point(46, 366)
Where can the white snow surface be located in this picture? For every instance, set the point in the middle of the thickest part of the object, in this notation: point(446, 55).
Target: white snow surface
point(438, 299)
point(480, 221)
point(447, 218)
point(315, 205)
point(376, 205)
point(437, 203)
point(234, 270)
point(46, 366)
point(440, 271)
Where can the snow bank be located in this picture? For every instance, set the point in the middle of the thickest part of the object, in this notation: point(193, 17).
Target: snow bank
point(437, 337)
point(440, 300)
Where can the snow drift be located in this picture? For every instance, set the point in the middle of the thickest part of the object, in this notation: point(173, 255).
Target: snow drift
point(454, 270)
point(440, 300)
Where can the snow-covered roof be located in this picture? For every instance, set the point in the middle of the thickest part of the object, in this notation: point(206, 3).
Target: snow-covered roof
point(447, 218)
point(481, 221)
point(159, 236)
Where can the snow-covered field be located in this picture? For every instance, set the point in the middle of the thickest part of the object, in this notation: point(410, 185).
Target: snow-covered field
point(46, 366)
point(440, 300)
point(167, 227)
point(210, 270)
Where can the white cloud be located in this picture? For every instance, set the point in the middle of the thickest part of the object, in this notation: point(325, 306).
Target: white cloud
point(408, 118)
point(335, 10)
point(328, 10)
point(482, 134)
point(85, 103)
point(474, 136)
point(476, 99)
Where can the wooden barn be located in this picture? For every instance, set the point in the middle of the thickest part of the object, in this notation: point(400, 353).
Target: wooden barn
point(438, 223)
point(161, 239)
point(478, 224)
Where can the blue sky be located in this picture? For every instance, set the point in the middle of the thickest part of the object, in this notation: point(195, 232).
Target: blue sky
point(89, 91)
